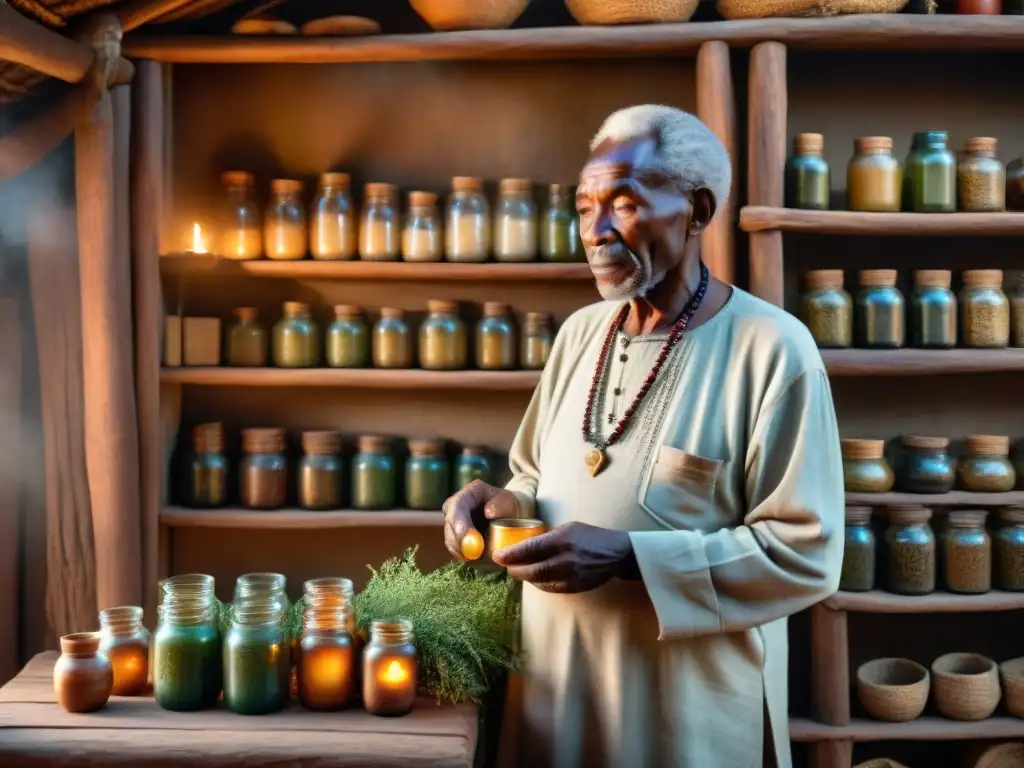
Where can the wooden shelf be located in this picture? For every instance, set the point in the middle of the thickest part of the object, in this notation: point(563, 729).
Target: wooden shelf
point(868, 32)
point(921, 729)
point(756, 218)
point(951, 499)
point(309, 269)
point(353, 378)
point(920, 362)
point(298, 519)
point(877, 601)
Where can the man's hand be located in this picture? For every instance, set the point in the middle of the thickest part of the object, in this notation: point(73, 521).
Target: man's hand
point(468, 508)
point(575, 557)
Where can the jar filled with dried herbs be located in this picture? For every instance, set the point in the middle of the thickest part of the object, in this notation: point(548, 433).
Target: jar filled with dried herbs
point(348, 338)
point(467, 233)
point(985, 310)
point(296, 342)
point(332, 226)
point(262, 473)
point(926, 465)
point(515, 222)
point(858, 574)
point(981, 178)
point(910, 545)
point(560, 227)
point(421, 235)
point(392, 343)
point(1016, 299)
point(208, 468)
point(247, 340)
point(427, 475)
point(186, 647)
point(443, 339)
point(379, 228)
point(807, 177)
point(880, 313)
point(538, 338)
point(473, 464)
point(1009, 550)
point(241, 231)
point(828, 309)
point(929, 180)
point(933, 315)
point(374, 476)
point(496, 338)
point(864, 467)
point(257, 668)
point(985, 466)
point(320, 477)
point(284, 229)
point(967, 553)
point(873, 176)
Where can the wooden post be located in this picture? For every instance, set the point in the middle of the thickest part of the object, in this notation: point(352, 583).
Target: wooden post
point(716, 106)
point(766, 157)
point(832, 754)
point(10, 487)
point(111, 439)
point(830, 666)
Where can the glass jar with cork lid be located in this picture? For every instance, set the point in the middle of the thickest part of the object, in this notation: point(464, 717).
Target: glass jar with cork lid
point(967, 553)
point(560, 227)
point(421, 236)
point(284, 228)
point(929, 175)
point(807, 176)
point(296, 342)
point(379, 229)
point(538, 338)
point(515, 222)
point(320, 476)
point(443, 344)
point(933, 310)
point(348, 338)
point(858, 573)
point(496, 338)
point(208, 467)
point(880, 311)
point(241, 230)
point(828, 309)
point(332, 227)
point(473, 463)
point(1009, 550)
point(911, 551)
point(247, 339)
point(262, 473)
point(864, 467)
point(874, 180)
point(985, 466)
point(392, 344)
point(427, 475)
point(981, 178)
point(926, 466)
point(984, 309)
point(374, 476)
point(468, 222)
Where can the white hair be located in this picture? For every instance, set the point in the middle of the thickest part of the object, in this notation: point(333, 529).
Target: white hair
point(686, 147)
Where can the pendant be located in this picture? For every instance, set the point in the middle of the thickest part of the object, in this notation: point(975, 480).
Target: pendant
point(595, 461)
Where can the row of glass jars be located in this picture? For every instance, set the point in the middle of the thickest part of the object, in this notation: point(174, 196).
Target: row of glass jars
point(983, 316)
point(351, 342)
point(924, 465)
point(372, 482)
point(331, 231)
point(932, 180)
point(967, 558)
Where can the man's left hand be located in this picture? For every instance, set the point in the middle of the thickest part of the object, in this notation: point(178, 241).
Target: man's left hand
point(575, 557)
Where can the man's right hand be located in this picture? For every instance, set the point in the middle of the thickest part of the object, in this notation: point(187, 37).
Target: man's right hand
point(468, 508)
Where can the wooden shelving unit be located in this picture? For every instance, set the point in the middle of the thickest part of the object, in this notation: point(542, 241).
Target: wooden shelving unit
point(924, 728)
point(759, 218)
point(298, 519)
point(951, 499)
point(920, 362)
point(878, 601)
point(353, 378)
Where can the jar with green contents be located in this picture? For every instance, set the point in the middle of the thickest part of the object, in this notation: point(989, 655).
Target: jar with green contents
point(1016, 299)
point(873, 176)
point(538, 338)
point(560, 227)
point(296, 338)
point(929, 180)
point(186, 647)
point(933, 310)
point(858, 574)
point(981, 178)
point(348, 338)
point(807, 176)
point(257, 669)
point(1009, 550)
point(967, 553)
point(984, 309)
point(208, 468)
point(985, 466)
point(828, 309)
point(910, 551)
point(374, 477)
point(392, 343)
point(263, 472)
point(427, 475)
point(247, 340)
point(926, 465)
point(880, 313)
point(473, 464)
point(320, 478)
point(443, 342)
point(864, 467)
point(496, 338)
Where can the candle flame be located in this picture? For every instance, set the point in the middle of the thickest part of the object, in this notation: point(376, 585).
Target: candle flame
point(197, 239)
point(395, 673)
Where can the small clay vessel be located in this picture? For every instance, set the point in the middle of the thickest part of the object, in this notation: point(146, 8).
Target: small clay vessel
point(82, 677)
point(980, 7)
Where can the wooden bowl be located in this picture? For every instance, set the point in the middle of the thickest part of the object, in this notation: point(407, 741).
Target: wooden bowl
point(894, 690)
point(966, 686)
point(761, 9)
point(1009, 754)
point(1012, 674)
point(605, 12)
point(446, 15)
point(340, 26)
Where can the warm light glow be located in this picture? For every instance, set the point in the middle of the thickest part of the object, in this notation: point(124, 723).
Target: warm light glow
point(395, 673)
point(198, 246)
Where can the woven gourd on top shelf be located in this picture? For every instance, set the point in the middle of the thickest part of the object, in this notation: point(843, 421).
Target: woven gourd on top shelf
point(610, 12)
point(761, 9)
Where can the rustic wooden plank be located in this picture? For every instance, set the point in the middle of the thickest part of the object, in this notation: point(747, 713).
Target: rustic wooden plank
point(11, 485)
point(917, 362)
point(373, 378)
point(951, 499)
point(298, 519)
point(922, 729)
point(878, 601)
point(768, 218)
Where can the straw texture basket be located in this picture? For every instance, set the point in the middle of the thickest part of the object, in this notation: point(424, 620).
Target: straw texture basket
point(966, 686)
point(880, 762)
point(762, 9)
point(894, 690)
point(469, 14)
point(1009, 754)
point(604, 12)
point(1012, 673)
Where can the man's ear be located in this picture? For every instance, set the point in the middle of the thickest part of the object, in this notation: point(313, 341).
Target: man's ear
point(704, 207)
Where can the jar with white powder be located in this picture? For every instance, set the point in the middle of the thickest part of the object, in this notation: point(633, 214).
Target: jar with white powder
point(468, 222)
point(515, 222)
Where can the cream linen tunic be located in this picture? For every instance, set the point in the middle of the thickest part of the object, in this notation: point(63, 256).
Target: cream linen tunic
point(730, 485)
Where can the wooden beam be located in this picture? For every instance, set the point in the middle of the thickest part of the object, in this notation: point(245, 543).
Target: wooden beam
point(11, 415)
point(830, 666)
point(134, 13)
point(919, 362)
point(354, 378)
point(31, 141)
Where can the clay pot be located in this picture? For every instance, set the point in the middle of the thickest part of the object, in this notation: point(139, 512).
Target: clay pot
point(966, 686)
point(894, 690)
point(82, 677)
point(980, 7)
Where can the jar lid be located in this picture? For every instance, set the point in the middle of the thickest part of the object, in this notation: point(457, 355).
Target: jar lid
point(925, 443)
point(296, 308)
point(516, 186)
point(263, 440)
point(426, 447)
point(560, 189)
point(824, 278)
point(421, 199)
point(884, 278)
point(987, 444)
point(933, 278)
point(348, 311)
point(538, 320)
point(862, 449)
point(467, 183)
point(380, 191)
point(474, 450)
point(908, 514)
point(321, 442)
point(245, 313)
point(391, 313)
point(808, 143)
point(208, 438)
point(1013, 515)
point(238, 178)
point(495, 309)
point(286, 186)
point(373, 444)
point(858, 515)
point(984, 278)
point(335, 179)
point(442, 306)
point(865, 143)
point(980, 144)
point(967, 518)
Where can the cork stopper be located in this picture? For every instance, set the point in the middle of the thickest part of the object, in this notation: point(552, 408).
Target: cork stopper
point(983, 278)
point(334, 179)
point(373, 444)
point(263, 440)
point(538, 321)
point(321, 442)
point(980, 144)
point(379, 191)
point(474, 450)
point(967, 518)
point(808, 143)
point(824, 278)
point(422, 199)
point(442, 307)
point(245, 313)
point(1012, 515)
point(873, 144)
point(296, 308)
point(208, 438)
point(992, 445)
point(426, 447)
point(348, 311)
point(286, 186)
point(390, 313)
point(495, 309)
point(881, 278)
point(559, 189)
point(238, 179)
point(925, 443)
point(467, 184)
point(858, 515)
point(933, 278)
point(862, 449)
point(909, 515)
point(515, 187)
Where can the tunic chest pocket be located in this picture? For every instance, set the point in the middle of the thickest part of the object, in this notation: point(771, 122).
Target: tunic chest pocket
point(680, 488)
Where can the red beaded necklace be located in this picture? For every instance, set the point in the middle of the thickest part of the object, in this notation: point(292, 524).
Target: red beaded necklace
point(596, 458)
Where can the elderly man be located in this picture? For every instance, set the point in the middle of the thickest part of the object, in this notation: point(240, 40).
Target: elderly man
point(682, 448)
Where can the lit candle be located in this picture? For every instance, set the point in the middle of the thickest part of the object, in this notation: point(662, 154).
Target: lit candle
point(198, 243)
point(389, 669)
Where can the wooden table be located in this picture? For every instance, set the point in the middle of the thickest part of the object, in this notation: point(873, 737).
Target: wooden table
point(135, 732)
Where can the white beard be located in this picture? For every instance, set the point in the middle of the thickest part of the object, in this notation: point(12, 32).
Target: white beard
point(640, 282)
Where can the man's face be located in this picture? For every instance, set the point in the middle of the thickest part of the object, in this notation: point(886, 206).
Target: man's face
point(634, 220)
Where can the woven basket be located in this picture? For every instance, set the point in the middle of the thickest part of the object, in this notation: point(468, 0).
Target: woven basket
point(966, 686)
point(1012, 673)
point(1009, 754)
point(605, 12)
point(880, 762)
point(761, 9)
point(894, 690)
point(469, 14)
